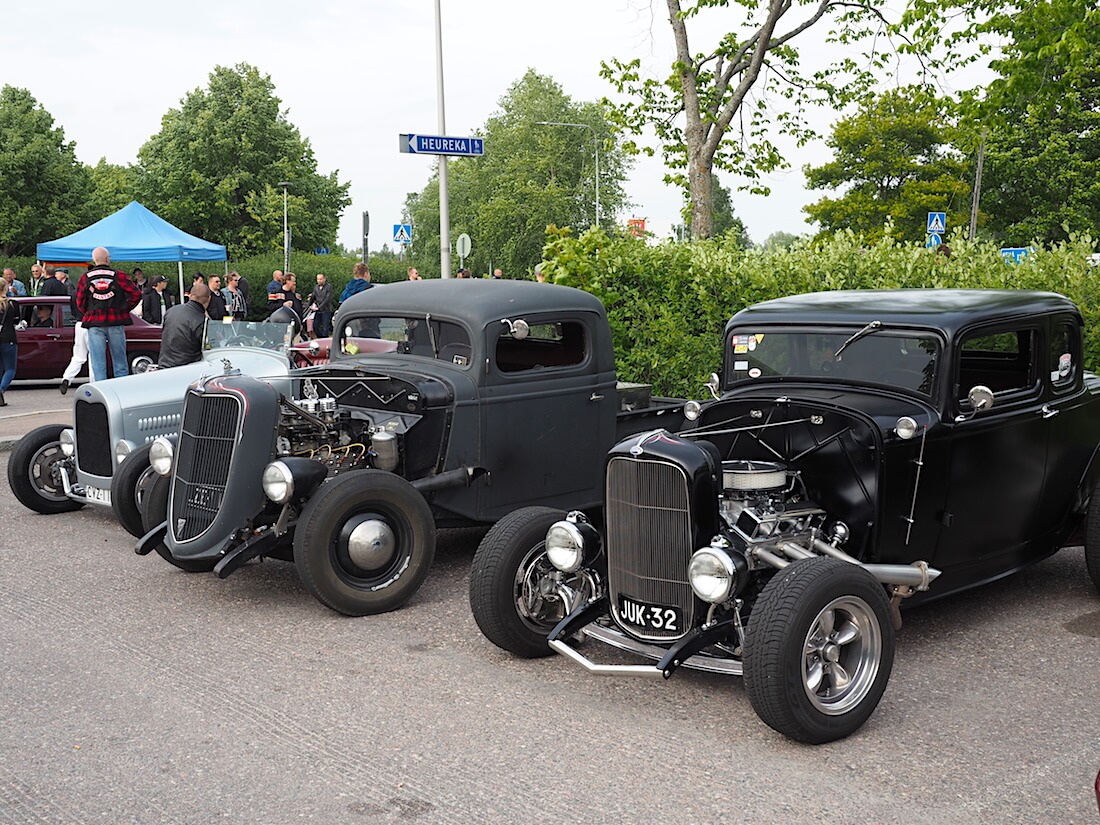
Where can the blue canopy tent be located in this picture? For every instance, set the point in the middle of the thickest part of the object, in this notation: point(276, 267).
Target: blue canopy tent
point(133, 233)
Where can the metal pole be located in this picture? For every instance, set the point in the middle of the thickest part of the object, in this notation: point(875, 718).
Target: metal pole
point(286, 229)
point(977, 189)
point(596, 148)
point(444, 210)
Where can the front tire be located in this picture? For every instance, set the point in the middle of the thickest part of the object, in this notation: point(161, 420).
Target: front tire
point(33, 471)
point(819, 650)
point(141, 361)
point(132, 479)
point(364, 543)
point(1092, 537)
point(154, 511)
point(508, 605)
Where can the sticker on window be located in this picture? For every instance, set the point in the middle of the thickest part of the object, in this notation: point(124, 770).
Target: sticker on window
point(1065, 364)
point(740, 366)
point(740, 347)
point(754, 372)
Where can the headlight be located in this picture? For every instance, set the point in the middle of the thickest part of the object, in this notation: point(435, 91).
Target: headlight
point(278, 483)
point(67, 439)
point(565, 546)
point(906, 427)
point(160, 456)
point(122, 449)
point(692, 410)
point(712, 574)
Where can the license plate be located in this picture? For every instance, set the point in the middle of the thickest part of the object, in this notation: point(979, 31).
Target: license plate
point(97, 495)
point(651, 616)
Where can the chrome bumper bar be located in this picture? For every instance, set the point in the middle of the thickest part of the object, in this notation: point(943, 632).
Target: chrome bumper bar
point(614, 638)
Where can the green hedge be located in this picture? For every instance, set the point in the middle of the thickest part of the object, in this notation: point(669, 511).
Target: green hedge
point(669, 303)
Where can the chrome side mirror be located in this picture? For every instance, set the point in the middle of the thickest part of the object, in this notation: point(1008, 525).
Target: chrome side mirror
point(713, 382)
point(520, 329)
point(980, 398)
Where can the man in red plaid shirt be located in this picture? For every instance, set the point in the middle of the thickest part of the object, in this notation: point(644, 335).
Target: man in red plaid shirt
point(106, 296)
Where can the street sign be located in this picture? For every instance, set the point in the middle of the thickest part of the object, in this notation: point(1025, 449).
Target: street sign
point(402, 233)
point(1015, 254)
point(934, 240)
point(442, 145)
point(937, 223)
point(462, 246)
point(323, 250)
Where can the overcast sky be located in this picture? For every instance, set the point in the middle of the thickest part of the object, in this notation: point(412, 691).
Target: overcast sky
point(352, 76)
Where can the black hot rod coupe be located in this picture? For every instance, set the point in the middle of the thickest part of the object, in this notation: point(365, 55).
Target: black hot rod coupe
point(862, 450)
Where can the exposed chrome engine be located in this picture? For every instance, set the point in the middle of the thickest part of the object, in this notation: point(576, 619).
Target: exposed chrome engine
point(318, 428)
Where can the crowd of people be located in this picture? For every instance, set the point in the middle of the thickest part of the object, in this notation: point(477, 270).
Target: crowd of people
point(103, 299)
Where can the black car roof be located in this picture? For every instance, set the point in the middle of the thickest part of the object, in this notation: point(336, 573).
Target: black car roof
point(478, 301)
point(945, 309)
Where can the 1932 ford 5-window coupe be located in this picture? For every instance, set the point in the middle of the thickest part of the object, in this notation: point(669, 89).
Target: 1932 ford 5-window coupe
point(863, 450)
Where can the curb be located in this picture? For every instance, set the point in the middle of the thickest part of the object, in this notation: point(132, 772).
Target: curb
point(7, 442)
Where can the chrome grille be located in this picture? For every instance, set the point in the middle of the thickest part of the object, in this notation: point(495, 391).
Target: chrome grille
point(208, 435)
point(649, 530)
point(94, 453)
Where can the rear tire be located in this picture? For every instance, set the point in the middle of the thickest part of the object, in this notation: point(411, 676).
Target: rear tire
point(1092, 537)
point(33, 471)
point(132, 479)
point(141, 361)
point(506, 601)
point(819, 649)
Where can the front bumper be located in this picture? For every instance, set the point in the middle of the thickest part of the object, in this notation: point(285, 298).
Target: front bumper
point(688, 652)
point(85, 494)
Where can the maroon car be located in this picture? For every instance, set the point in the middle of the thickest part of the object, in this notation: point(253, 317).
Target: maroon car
point(46, 345)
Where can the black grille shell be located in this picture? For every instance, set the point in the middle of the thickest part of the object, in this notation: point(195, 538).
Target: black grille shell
point(211, 427)
point(94, 454)
point(650, 532)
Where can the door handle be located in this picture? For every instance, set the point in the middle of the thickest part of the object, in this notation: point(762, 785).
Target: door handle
point(53, 335)
point(1048, 412)
point(596, 397)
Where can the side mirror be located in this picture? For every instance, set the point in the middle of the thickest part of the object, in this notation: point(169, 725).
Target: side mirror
point(713, 382)
point(520, 329)
point(980, 398)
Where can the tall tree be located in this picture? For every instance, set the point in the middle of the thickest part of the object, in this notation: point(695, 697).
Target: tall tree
point(723, 219)
point(533, 174)
point(729, 89)
point(43, 186)
point(112, 187)
point(894, 162)
point(214, 168)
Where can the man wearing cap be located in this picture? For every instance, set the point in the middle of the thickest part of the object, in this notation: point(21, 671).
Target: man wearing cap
point(105, 296)
point(156, 300)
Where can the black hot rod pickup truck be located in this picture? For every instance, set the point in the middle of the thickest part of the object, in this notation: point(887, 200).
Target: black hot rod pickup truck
point(445, 403)
point(863, 450)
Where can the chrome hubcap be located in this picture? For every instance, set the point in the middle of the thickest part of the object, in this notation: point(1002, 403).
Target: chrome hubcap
point(841, 655)
point(372, 544)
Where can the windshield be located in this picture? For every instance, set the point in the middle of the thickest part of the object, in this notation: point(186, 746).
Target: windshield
point(442, 340)
point(232, 334)
point(900, 358)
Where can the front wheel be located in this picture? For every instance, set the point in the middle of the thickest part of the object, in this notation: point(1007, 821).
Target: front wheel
point(131, 481)
point(819, 649)
point(364, 543)
point(34, 471)
point(1092, 537)
point(510, 603)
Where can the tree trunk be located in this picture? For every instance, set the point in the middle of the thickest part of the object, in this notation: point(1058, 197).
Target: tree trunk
point(702, 197)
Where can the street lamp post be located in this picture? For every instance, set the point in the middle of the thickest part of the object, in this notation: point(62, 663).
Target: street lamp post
point(595, 146)
point(286, 228)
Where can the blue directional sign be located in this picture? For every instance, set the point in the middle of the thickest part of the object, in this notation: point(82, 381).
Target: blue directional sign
point(402, 233)
point(1015, 254)
point(442, 145)
point(937, 223)
point(934, 240)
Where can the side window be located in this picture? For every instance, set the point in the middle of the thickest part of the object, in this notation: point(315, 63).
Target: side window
point(1063, 355)
point(1000, 360)
point(556, 344)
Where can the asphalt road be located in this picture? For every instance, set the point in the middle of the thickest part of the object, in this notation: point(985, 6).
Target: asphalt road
point(135, 692)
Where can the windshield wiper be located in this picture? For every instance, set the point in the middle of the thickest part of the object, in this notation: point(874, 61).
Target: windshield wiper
point(867, 330)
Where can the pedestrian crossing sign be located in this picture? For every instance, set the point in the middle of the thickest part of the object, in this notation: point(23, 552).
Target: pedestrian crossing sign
point(937, 223)
point(402, 233)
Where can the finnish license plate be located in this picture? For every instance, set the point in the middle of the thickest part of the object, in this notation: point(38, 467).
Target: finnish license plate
point(651, 616)
point(97, 495)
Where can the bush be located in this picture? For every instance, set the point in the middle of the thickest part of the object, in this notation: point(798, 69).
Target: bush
point(668, 304)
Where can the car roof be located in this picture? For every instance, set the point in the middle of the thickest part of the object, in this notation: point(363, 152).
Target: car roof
point(478, 301)
point(946, 309)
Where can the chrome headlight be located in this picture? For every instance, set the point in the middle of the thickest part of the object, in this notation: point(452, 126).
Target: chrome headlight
point(712, 574)
point(278, 482)
point(67, 440)
point(692, 410)
point(565, 546)
point(122, 449)
point(906, 427)
point(160, 456)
